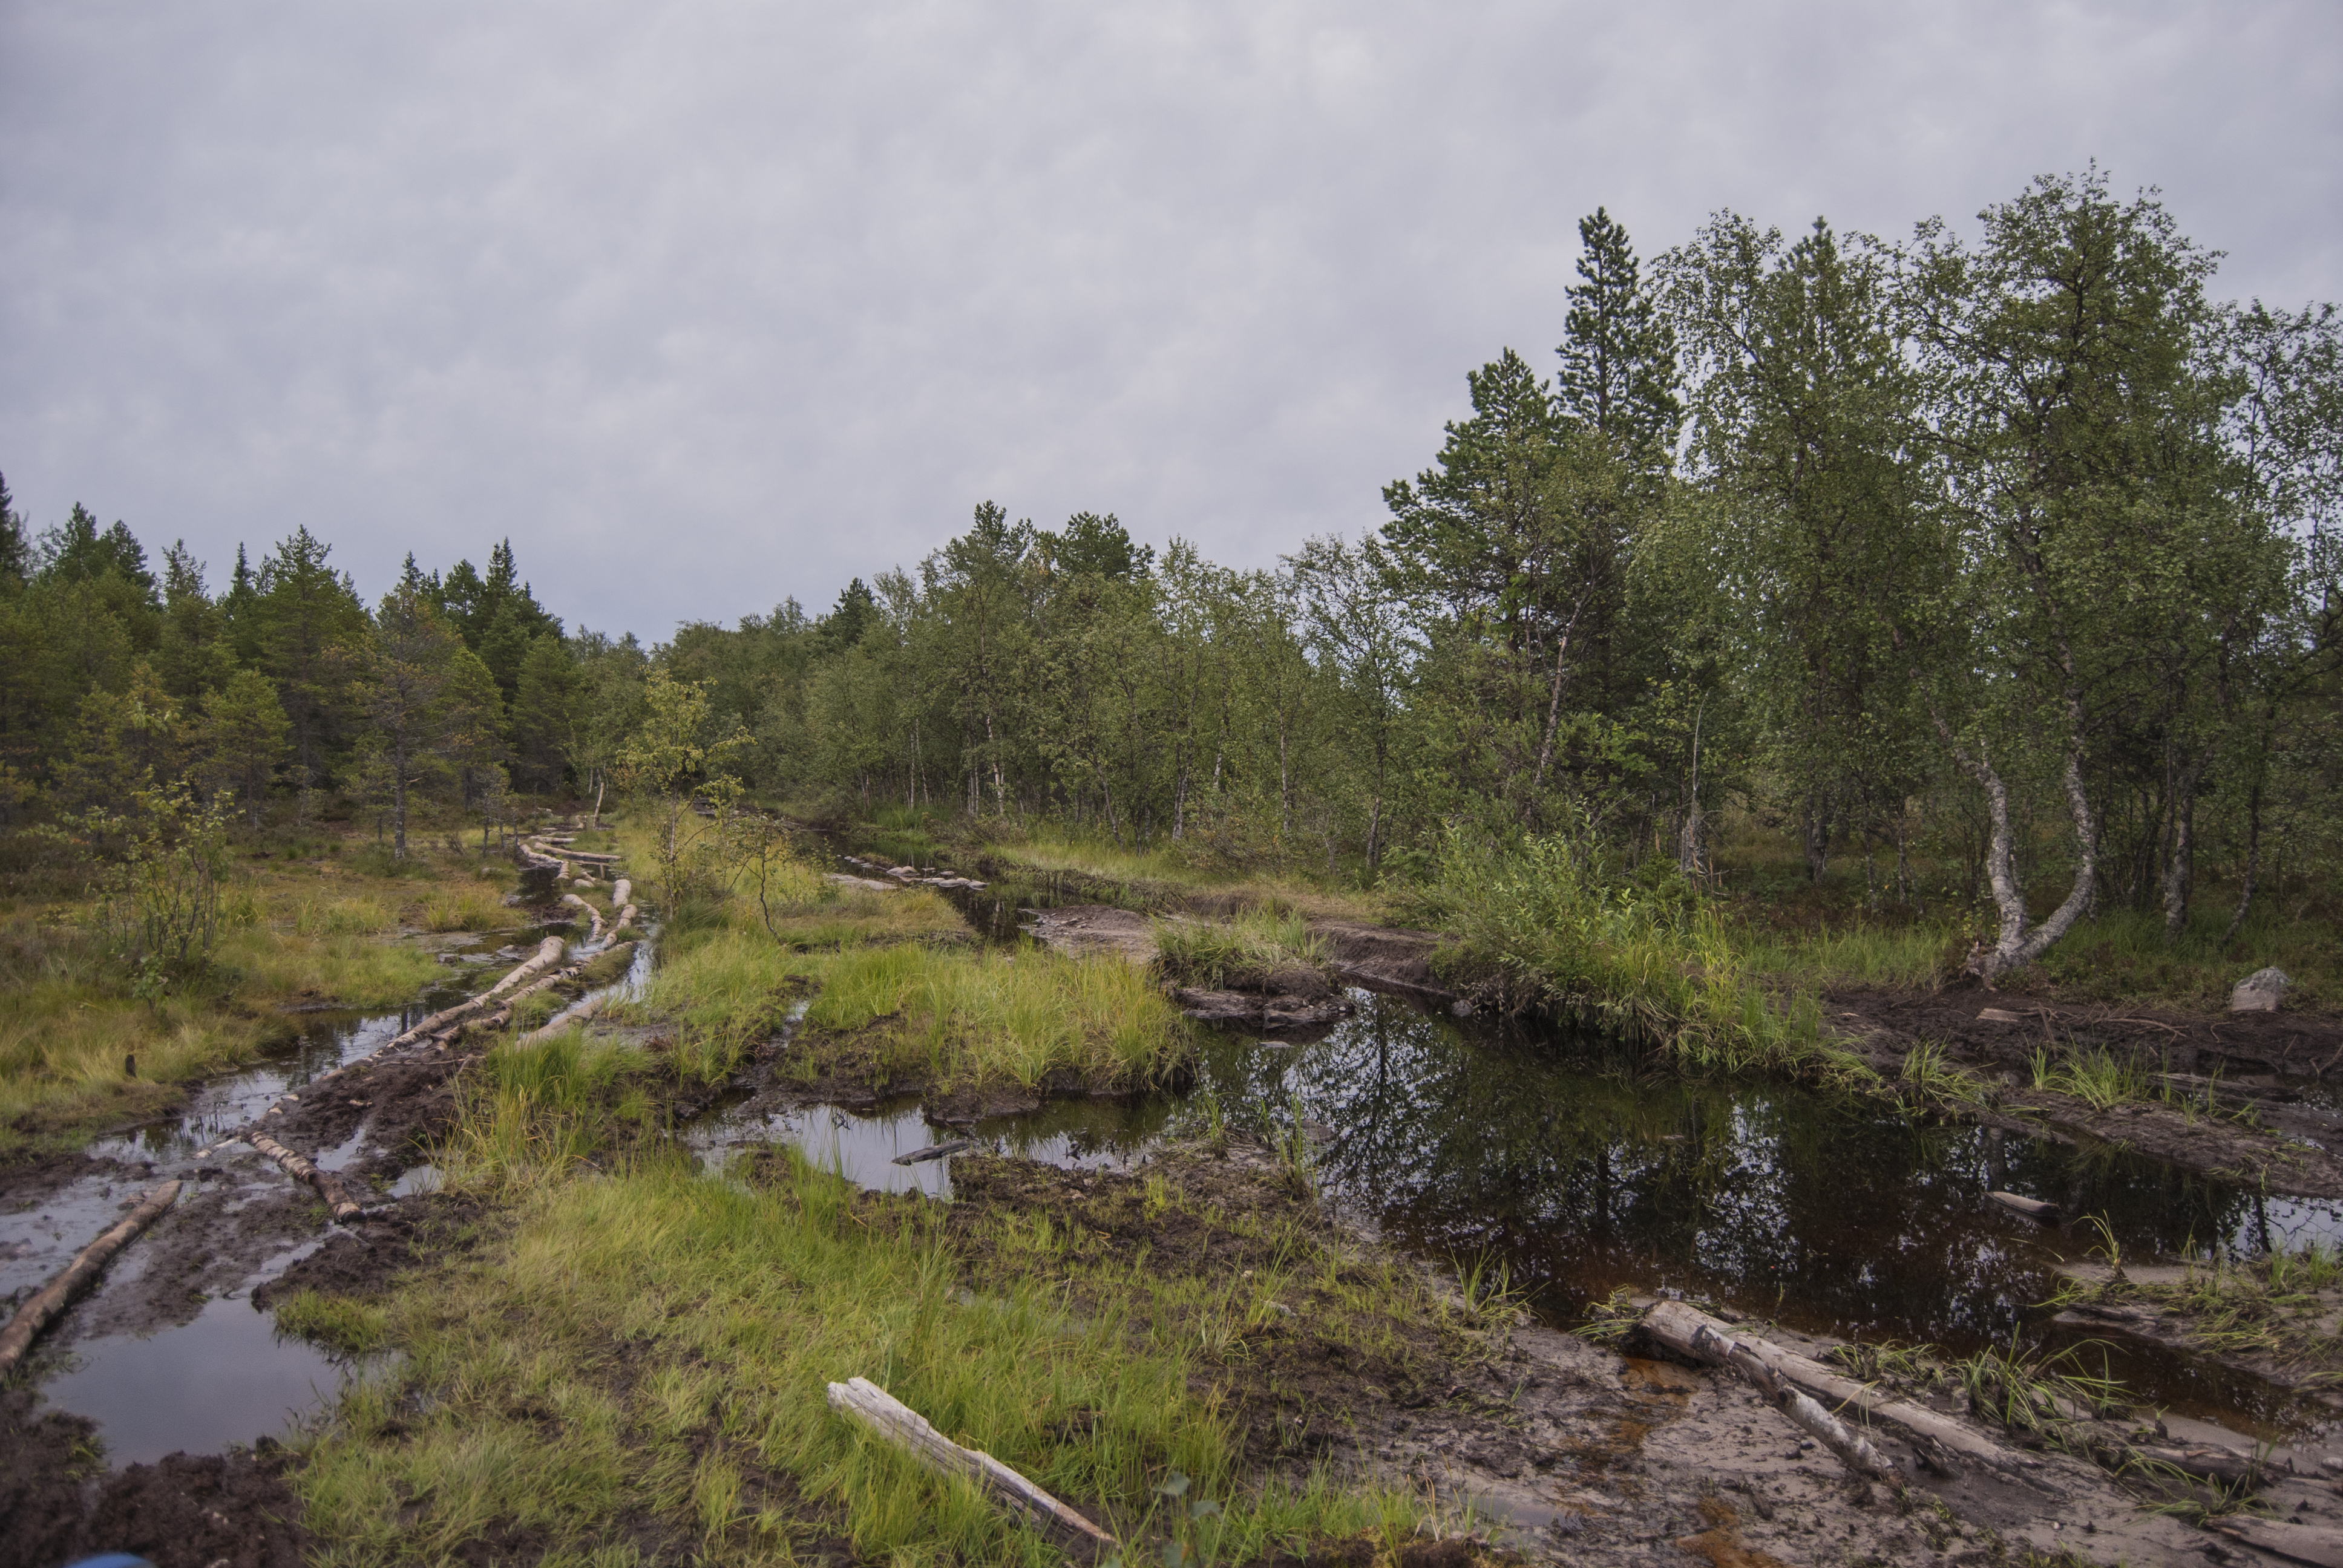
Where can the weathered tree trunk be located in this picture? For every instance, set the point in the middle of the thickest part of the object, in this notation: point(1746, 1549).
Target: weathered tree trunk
point(2180, 869)
point(77, 1276)
point(896, 1422)
point(339, 1199)
point(1853, 1452)
point(549, 953)
point(1937, 1437)
point(2017, 946)
point(2252, 865)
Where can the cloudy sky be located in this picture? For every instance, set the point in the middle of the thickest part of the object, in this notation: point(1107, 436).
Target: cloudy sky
point(704, 305)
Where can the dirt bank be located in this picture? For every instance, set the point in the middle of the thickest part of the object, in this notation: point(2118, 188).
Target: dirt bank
point(2236, 1095)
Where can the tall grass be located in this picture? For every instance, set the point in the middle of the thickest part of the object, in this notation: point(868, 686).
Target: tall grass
point(1247, 951)
point(1547, 923)
point(953, 1017)
point(534, 1112)
point(68, 1020)
point(1914, 957)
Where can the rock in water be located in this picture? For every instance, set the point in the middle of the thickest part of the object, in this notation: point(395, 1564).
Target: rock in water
point(2258, 991)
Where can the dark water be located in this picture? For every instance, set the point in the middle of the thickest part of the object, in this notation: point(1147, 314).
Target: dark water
point(226, 1375)
point(1578, 1171)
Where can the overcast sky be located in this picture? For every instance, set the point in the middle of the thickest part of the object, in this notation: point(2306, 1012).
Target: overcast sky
point(707, 305)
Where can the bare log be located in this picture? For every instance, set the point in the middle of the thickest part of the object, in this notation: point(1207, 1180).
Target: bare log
point(76, 1276)
point(330, 1187)
point(935, 1150)
point(1852, 1451)
point(1937, 1437)
point(576, 1012)
point(621, 891)
point(898, 1423)
point(548, 952)
point(591, 913)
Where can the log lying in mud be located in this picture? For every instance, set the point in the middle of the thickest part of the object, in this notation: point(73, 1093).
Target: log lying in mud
point(898, 1423)
point(1937, 1437)
point(1854, 1451)
point(591, 913)
point(574, 1014)
point(76, 1276)
point(549, 953)
point(336, 1193)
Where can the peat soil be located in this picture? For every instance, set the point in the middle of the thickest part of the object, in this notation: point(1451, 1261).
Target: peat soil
point(1551, 1446)
point(2276, 1105)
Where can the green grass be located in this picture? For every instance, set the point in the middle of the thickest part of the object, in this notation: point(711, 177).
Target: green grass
point(2099, 1079)
point(1248, 949)
point(296, 933)
point(1862, 954)
point(645, 1359)
point(2283, 1305)
point(954, 1016)
point(1544, 922)
point(2123, 955)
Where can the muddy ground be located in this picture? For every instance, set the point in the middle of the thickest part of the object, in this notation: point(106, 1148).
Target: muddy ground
point(1559, 1448)
point(2276, 1068)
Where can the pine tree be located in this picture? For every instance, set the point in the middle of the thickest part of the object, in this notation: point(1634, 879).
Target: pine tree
point(193, 658)
point(243, 735)
point(311, 623)
point(1619, 374)
point(16, 546)
point(403, 690)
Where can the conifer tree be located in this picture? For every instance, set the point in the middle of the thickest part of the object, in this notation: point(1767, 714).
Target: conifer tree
point(1619, 375)
point(243, 731)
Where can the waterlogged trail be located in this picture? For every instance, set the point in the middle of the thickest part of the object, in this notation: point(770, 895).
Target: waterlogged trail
point(171, 1352)
point(1467, 1141)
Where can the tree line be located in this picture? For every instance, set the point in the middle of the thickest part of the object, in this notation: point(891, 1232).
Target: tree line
point(2012, 554)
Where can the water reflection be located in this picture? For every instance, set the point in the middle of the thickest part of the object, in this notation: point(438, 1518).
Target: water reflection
point(1836, 1215)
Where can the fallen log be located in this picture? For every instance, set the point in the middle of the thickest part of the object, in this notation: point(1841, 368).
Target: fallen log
point(2032, 1208)
point(1852, 1451)
point(1937, 1437)
point(548, 952)
point(591, 913)
point(2322, 1548)
point(935, 1150)
point(330, 1187)
point(890, 1419)
point(575, 1012)
point(621, 891)
point(76, 1276)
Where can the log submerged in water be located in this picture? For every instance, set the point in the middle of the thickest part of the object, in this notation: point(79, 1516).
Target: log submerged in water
point(890, 1419)
point(52, 1298)
point(331, 1188)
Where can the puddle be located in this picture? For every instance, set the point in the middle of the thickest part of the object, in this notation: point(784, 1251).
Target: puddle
point(225, 1377)
point(862, 1145)
point(1458, 1139)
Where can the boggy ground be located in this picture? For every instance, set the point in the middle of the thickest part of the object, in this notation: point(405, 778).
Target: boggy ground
point(2234, 1095)
point(1554, 1447)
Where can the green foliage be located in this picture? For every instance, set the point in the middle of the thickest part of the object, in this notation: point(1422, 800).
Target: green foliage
point(1249, 950)
point(1544, 920)
point(159, 904)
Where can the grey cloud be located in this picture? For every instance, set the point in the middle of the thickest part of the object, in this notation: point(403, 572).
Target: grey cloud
point(706, 305)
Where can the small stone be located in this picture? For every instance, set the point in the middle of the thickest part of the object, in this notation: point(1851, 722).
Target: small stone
point(2258, 991)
